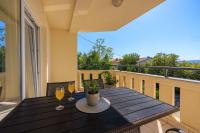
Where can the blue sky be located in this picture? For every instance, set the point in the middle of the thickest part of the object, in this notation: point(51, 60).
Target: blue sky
point(2, 25)
point(172, 27)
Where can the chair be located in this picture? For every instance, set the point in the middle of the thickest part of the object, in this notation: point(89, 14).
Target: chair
point(51, 87)
point(98, 81)
point(174, 130)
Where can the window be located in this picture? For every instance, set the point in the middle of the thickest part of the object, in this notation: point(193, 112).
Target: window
point(9, 53)
point(2, 46)
point(31, 56)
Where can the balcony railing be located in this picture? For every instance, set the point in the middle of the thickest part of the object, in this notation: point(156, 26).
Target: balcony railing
point(167, 71)
point(175, 91)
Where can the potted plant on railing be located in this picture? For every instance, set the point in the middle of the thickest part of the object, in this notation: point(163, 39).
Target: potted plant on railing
point(92, 92)
point(110, 81)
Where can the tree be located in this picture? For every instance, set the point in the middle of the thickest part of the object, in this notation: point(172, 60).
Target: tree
point(130, 59)
point(162, 59)
point(189, 74)
point(80, 59)
point(2, 49)
point(2, 37)
point(102, 50)
point(99, 57)
point(2, 58)
point(93, 58)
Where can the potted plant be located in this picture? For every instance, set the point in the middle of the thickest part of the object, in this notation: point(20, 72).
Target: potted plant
point(92, 92)
point(109, 79)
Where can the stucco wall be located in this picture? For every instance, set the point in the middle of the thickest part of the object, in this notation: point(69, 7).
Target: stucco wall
point(63, 56)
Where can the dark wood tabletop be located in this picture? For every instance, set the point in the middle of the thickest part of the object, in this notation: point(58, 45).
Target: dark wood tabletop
point(129, 110)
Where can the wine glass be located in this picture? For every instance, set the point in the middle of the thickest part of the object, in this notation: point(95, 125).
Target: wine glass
point(71, 89)
point(59, 95)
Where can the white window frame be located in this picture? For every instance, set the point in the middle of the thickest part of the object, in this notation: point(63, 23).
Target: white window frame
point(27, 18)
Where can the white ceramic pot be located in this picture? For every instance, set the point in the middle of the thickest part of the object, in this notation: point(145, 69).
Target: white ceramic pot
point(92, 99)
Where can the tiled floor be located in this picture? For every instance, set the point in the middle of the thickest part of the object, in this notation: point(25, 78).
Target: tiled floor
point(155, 127)
point(5, 108)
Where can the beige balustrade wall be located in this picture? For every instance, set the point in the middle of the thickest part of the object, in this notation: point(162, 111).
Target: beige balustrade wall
point(189, 93)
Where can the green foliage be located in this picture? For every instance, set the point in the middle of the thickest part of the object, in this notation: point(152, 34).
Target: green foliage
point(102, 50)
point(99, 57)
point(157, 94)
point(162, 59)
point(129, 59)
point(2, 58)
point(2, 36)
point(110, 80)
point(2, 48)
point(128, 62)
point(92, 87)
point(188, 74)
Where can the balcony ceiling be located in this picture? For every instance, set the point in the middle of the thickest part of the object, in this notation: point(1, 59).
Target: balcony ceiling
point(94, 15)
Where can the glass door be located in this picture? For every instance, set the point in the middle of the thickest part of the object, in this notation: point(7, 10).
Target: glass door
point(31, 57)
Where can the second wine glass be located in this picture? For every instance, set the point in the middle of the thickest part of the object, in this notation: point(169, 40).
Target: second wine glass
point(60, 92)
point(71, 89)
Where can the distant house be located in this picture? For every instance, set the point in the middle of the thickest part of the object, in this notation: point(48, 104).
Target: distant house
point(115, 61)
point(144, 60)
point(141, 61)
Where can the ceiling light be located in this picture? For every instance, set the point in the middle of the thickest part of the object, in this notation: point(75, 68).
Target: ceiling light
point(117, 3)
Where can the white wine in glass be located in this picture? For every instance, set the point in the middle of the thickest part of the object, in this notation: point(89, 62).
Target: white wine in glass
point(71, 89)
point(60, 92)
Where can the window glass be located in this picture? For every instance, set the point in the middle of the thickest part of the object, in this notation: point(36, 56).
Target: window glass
point(9, 53)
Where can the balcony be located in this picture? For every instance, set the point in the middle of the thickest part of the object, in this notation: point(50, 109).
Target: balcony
point(53, 58)
point(146, 83)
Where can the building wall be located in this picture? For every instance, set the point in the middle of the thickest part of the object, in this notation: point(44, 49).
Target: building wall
point(63, 56)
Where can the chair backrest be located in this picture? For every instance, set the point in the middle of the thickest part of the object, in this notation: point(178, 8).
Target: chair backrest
point(98, 81)
point(51, 87)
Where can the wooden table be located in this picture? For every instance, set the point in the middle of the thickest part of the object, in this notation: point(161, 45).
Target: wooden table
point(129, 110)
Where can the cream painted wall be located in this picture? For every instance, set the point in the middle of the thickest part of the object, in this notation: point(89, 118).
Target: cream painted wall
point(35, 7)
point(58, 49)
point(63, 57)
